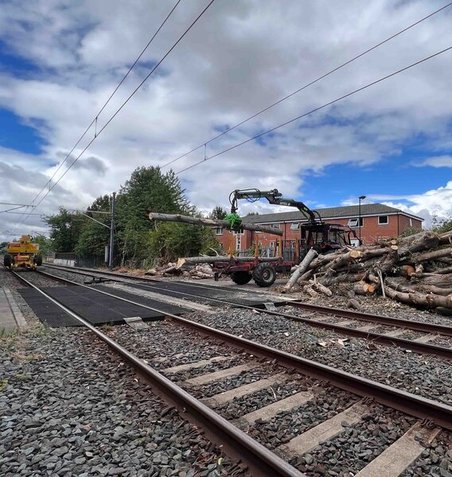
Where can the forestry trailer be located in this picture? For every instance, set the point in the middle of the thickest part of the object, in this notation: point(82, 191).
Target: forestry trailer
point(22, 254)
point(314, 233)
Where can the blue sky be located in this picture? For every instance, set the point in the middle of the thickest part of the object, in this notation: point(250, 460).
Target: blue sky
point(392, 142)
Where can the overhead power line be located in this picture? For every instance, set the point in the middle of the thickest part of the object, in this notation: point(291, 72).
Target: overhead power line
point(95, 119)
point(126, 101)
point(293, 93)
point(268, 131)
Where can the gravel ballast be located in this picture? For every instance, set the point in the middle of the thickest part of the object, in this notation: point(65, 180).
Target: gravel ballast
point(70, 407)
point(426, 375)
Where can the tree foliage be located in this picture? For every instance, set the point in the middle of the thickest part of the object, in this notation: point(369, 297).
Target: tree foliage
point(138, 241)
point(218, 213)
point(443, 226)
point(65, 229)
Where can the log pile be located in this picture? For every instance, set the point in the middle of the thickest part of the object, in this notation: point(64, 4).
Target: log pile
point(172, 269)
point(415, 270)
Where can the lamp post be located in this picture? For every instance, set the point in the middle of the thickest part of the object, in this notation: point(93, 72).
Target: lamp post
point(360, 198)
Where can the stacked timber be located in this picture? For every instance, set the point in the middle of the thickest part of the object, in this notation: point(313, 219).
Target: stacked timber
point(416, 270)
point(202, 270)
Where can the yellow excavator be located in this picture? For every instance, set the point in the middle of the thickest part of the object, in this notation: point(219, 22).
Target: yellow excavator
point(22, 254)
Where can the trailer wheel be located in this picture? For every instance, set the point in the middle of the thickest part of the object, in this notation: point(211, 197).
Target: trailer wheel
point(241, 278)
point(38, 260)
point(7, 260)
point(264, 274)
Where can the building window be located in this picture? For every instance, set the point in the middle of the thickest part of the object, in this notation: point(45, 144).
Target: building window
point(411, 222)
point(383, 220)
point(275, 226)
point(218, 230)
point(354, 222)
point(294, 226)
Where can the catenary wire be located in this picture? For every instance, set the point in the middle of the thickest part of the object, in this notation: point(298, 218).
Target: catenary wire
point(316, 109)
point(108, 99)
point(293, 93)
point(125, 102)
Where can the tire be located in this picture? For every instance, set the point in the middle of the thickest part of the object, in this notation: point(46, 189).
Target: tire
point(38, 260)
point(264, 274)
point(7, 260)
point(241, 278)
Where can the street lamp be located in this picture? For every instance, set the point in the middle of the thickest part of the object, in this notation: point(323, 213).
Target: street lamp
point(360, 198)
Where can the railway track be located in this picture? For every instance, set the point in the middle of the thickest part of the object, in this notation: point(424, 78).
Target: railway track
point(346, 322)
point(273, 367)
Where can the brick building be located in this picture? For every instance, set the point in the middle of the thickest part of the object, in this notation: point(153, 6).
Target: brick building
point(376, 221)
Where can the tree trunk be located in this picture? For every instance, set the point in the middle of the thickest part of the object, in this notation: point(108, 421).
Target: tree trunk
point(424, 257)
point(210, 222)
point(196, 260)
point(416, 298)
point(301, 268)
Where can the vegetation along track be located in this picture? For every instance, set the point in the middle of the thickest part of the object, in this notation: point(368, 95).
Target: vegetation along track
point(300, 383)
point(357, 324)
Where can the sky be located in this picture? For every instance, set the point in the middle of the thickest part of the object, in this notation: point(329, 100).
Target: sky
point(60, 60)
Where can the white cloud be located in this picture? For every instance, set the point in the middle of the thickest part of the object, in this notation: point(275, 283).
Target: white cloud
point(436, 161)
point(240, 57)
point(431, 205)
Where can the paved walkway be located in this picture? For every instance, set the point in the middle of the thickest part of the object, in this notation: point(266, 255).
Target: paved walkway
point(10, 316)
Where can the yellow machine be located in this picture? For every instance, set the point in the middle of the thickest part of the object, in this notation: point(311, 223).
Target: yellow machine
point(22, 254)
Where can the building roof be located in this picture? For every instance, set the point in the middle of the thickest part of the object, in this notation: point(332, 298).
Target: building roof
point(349, 211)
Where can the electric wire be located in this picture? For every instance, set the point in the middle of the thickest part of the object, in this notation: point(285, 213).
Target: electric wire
point(317, 109)
point(293, 93)
point(95, 119)
point(126, 101)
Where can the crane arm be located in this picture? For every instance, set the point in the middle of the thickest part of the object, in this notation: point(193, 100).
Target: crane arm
point(274, 197)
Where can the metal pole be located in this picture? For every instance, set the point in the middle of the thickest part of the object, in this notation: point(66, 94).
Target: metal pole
point(360, 198)
point(112, 232)
point(359, 220)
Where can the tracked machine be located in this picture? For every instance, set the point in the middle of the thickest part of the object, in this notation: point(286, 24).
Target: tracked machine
point(23, 254)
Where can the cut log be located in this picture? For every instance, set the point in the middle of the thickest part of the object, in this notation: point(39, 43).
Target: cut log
point(310, 256)
point(437, 279)
point(310, 291)
point(186, 219)
point(364, 288)
point(419, 299)
point(434, 254)
point(343, 278)
point(445, 237)
point(322, 289)
point(196, 260)
point(421, 242)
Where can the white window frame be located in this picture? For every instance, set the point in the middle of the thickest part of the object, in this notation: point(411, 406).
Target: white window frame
point(294, 225)
point(219, 230)
point(354, 223)
point(383, 223)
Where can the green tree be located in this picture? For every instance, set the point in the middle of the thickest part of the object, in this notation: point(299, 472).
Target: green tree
point(45, 244)
point(94, 237)
point(148, 189)
point(172, 240)
point(65, 229)
point(443, 226)
point(218, 213)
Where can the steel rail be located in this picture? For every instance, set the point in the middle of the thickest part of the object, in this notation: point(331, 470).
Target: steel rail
point(413, 325)
point(384, 320)
point(404, 401)
point(261, 461)
point(381, 338)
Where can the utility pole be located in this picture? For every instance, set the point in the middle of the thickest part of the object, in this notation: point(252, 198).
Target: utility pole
point(360, 198)
point(112, 232)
